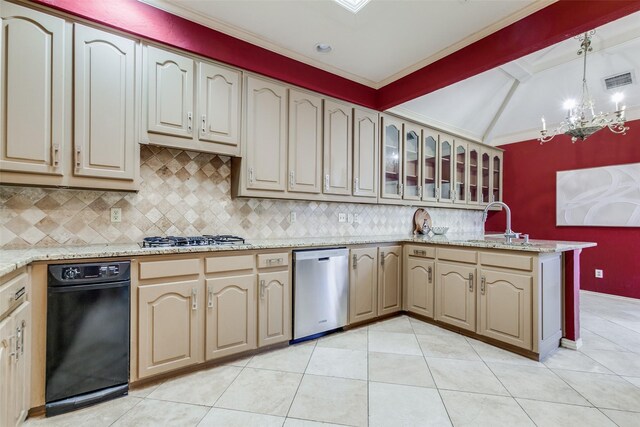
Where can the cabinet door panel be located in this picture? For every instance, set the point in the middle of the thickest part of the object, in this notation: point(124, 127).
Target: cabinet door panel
point(420, 288)
point(337, 148)
point(170, 91)
point(274, 308)
point(365, 153)
point(266, 135)
point(168, 335)
point(363, 284)
point(412, 187)
point(474, 175)
point(389, 280)
point(430, 166)
point(391, 165)
point(231, 315)
point(32, 91)
point(461, 173)
point(219, 104)
point(485, 191)
point(455, 295)
point(7, 346)
point(446, 172)
point(505, 307)
point(20, 396)
point(305, 142)
point(104, 83)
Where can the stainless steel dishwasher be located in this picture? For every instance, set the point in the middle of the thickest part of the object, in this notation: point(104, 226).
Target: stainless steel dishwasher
point(320, 291)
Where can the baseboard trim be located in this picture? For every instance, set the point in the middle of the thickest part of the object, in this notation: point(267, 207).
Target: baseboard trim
point(570, 344)
point(611, 296)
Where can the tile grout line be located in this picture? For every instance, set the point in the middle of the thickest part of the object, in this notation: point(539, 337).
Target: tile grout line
point(315, 344)
point(128, 410)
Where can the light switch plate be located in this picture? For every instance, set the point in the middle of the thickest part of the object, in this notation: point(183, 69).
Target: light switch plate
point(116, 214)
point(293, 217)
point(599, 274)
point(342, 217)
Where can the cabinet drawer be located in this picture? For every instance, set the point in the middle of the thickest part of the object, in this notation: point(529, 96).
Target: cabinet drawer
point(174, 268)
point(229, 263)
point(273, 260)
point(11, 291)
point(459, 255)
point(421, 251)
point(514, 262)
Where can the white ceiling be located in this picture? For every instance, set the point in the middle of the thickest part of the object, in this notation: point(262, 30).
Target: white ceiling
point(384, 41)
point(505, 104)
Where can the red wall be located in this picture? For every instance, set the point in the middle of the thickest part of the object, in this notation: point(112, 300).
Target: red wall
point(529, 190)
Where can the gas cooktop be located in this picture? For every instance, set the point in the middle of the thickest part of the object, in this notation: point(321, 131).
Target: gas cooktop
point(204, 240)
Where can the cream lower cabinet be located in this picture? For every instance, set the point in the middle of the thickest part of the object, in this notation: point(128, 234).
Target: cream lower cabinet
point(274, 308)
point(6, 358)
point(419, 280)
point(363, 284)
point(231, 315)
point(169, 336)
point(389, 279)
point(505, 306)
point(456, 295)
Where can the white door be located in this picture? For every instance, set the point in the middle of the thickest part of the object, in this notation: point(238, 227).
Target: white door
point(337, 148)
point(32, 91)
point(104, 89)
point(170, 93)
point(219, 104)
point(305, 142)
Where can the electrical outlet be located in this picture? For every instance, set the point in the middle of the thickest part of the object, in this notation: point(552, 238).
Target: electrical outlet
point(116, 214)
point(356, 218)
point(293, 217)
point(342, 217)
point(350, 218)
point(599, 274)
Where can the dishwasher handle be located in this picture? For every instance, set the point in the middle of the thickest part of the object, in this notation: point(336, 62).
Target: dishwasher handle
point(320, 254)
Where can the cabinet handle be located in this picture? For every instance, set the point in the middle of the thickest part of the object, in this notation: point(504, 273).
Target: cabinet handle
point(210, 297)
point(481, 197)
point(470, 282)
point(189, 120)
point(250, 175)
point(382, 259)
point(291, 178)
point(419, 252)
point(276, 261)
point(430, 274)
point(326, 183)
point(13, 346)
point(262, 286)
point(437, 193)
point(420, 191)
point(18, 341)
point(453, 196)
point(78, 157)
point(401, 189)
point(204, 124)
point(355, 261)
point(469, 196)
point(24, 325)
point(483, 282)
point(55, 161)
point(194, 299)
point(356, 185)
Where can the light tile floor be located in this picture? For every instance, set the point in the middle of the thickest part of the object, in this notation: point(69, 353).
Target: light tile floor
point(403, 372)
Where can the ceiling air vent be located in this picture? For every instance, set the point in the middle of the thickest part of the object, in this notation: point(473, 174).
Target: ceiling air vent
point(619, 80)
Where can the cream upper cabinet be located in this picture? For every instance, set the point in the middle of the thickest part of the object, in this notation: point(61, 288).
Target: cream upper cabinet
point(420, 285)
point(170, 80)
point(412, 171)
point(305, 142)
point(266, 135)
point(274, 308)
point(104, 83)
point(169, 315)
point(32, 92)
point(6, 358)
point(456, 295)
point(218, 118)
point(445, 174)
point(20, 397)
point(391, 165)
point(505, 306)
point(485, 183)
point(363, 284)
point(461, 174)
point(496, 176)
point(389, 279)
point(231, 315)
point(475, 177)
point(365, 153)
point(430, 166)
point(337, 148)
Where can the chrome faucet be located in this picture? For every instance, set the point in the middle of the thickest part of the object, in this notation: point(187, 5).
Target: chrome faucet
point(509, 234)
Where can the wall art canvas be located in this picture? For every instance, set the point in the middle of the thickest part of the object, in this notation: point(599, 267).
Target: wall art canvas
point(607, 196)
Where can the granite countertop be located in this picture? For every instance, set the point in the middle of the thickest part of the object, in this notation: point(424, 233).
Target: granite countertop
point(12, 259)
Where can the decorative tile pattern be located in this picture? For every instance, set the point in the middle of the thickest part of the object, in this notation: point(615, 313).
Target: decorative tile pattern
point(188, 193)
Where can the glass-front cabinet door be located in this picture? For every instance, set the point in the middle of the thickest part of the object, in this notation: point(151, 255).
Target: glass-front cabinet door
point(460, 168)
point(412, 188)
point(484, 194)
point(391, 152)
point(496, 177)
point(429, 165)
point(445, 181)
point(474, 175)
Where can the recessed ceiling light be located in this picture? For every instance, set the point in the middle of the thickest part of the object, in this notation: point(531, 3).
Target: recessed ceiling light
point(352, 5)
point(323, 48)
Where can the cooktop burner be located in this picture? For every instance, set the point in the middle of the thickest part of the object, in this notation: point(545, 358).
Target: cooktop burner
point(204, 240)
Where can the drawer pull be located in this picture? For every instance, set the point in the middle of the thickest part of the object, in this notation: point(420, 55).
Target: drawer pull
point(276, 261)
point(470, 282)
point(419, 252)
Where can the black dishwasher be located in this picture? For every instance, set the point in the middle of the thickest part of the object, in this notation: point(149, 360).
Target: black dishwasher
point(88, 311)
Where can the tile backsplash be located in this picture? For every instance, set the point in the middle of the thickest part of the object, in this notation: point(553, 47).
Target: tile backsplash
point(188, 193)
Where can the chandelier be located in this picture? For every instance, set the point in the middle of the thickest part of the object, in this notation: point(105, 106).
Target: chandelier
point(581, 120)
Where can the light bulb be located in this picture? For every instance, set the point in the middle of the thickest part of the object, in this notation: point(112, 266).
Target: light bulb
point(569, 104)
